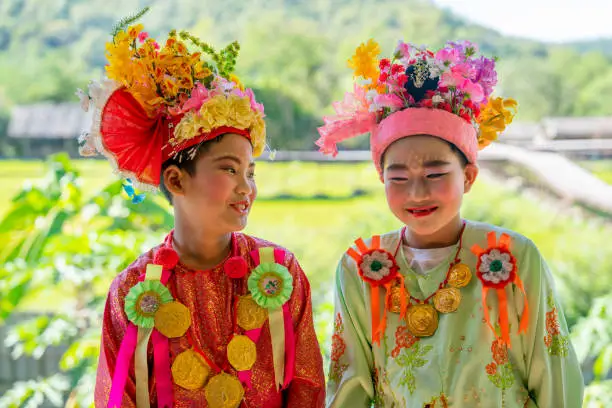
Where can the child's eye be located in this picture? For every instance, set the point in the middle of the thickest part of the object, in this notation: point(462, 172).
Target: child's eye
point(398, 178)
point(252, 175)
point(436, 175)
point(230, 170)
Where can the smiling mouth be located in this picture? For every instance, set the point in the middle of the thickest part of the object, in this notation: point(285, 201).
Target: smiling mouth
point(241, 207)
point(422, 211)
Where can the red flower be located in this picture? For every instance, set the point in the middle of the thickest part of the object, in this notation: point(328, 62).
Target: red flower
point(166, 257)
point(384, 64)
point(143, 36)
point(446, 106)
point(383, 77)
point(466, 116)
point(443, 89)
point(428, 103)
point(235, 267)
point(491, 369)
point(468, 104)
point(396, 69)
point(476, 111)
point(402, 79)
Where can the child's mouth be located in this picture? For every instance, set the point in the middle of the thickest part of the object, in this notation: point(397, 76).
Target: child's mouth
point(422, 211)
point(241, 207)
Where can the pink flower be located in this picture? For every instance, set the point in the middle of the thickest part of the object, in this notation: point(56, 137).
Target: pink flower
point(198, 96)
point(254, 105)
point(474, 91)
point(403, 49)
point(389, 101)
point(457, 76)
point(448, 56)
point(143, 36)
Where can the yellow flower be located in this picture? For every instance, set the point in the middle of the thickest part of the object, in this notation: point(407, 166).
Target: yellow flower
point(169, 88)
point(133, 31)
point(214, 113)
point(258, 135)
point(241, 115)
point(185, 129)
point(493, 119)
point(201, 71)
point(235, 80)
point(364, 62)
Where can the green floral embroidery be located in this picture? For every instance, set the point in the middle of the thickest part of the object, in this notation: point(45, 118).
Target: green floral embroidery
point(556, 343)
point(337, 369)
point(500, 370)
point(410, 359)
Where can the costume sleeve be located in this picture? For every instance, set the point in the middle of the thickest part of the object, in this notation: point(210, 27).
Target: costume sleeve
point(554, 378)
point(114, 327)
point(307, 389)
point(350, 374)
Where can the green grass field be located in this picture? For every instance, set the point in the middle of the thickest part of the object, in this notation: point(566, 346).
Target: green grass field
point(317, 210)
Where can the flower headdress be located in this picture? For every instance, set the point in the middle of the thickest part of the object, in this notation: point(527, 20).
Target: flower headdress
point(444, 93)
point(158, 102)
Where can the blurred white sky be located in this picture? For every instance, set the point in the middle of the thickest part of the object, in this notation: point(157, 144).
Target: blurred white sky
point(573, 19)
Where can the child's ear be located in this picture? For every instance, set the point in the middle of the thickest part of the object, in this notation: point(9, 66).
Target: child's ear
point(470, 173)
point(174, 179)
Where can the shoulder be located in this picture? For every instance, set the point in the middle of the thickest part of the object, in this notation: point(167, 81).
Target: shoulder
point(127, 278)
point(387, 242)
point(520, 245)
point(251, 243)
point(529, 261)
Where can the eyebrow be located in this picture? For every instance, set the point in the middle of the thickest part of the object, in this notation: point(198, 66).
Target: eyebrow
point(233, 158)
point(427, 164)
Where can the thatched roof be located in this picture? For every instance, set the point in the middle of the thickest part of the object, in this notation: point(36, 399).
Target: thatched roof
point(48, 121)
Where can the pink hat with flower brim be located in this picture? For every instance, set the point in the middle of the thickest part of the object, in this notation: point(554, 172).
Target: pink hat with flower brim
point(444, 93)
point(423, 121)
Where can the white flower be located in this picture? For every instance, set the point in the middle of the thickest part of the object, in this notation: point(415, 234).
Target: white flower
point(87, 146)
point(364, 81)
point(376, 265)
point(84, 98)
point(95, 90)
point(437, 99)
point(496, 266)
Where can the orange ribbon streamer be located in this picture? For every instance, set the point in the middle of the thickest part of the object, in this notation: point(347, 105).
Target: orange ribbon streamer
point(504, 246)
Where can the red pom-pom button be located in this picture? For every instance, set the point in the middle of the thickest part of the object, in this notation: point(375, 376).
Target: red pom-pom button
point(166, 257)
point(235, 267)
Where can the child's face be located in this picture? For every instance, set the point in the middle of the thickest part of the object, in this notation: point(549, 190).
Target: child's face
point(220, 193)
point(425, 182)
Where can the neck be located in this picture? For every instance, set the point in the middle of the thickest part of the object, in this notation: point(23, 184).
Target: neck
point(444, 237)
point(199, 248)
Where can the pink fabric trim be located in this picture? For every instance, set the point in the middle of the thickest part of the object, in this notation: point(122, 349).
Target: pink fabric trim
point(424, 121)
point(289, 346)
point(163, 376)
point(255, 256)
point(245, 378)
point(279, 256)
point(124, 360)
point(253, 334)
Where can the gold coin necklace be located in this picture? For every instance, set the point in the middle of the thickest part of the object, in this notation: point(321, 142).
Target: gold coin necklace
point(422, 315)
point(192, 369)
